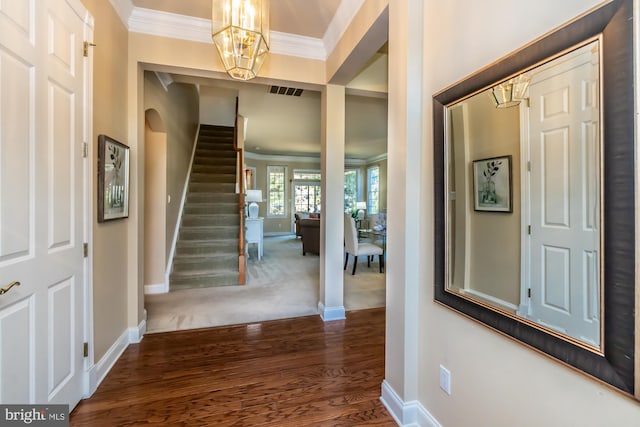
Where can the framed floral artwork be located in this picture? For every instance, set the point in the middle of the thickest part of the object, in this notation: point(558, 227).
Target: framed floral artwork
point(492, 184)
point(113, 179)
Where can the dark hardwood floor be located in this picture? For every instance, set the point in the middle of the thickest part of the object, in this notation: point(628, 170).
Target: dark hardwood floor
point(291, 372)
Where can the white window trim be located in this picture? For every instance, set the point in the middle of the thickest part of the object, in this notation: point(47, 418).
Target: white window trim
point(358, 181)
point(307, 171)
point(284, 200)
point(369, 190)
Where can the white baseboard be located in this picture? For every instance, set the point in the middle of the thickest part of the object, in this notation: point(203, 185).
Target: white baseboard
point(331, 313)
point(99, 371)
point(406, 414)
point(137, 333)
point(156, 288)
point(499, 302)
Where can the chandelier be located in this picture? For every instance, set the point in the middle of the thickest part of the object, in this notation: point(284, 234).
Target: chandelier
point(240, 31)
point(511, 92)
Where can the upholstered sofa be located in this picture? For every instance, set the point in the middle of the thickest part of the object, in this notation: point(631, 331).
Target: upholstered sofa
point(310, 232)
point(302, 215)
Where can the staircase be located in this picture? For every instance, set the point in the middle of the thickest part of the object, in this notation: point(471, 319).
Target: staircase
point(206, 252)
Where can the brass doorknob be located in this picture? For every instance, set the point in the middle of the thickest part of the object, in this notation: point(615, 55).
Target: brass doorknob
point(8, 287)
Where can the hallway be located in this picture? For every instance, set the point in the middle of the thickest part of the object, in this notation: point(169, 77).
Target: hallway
point(282, 373)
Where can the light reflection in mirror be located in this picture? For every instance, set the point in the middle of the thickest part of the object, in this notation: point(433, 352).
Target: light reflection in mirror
point(524, 207)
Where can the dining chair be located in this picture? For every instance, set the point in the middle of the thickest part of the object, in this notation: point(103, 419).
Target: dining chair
point(355, 248)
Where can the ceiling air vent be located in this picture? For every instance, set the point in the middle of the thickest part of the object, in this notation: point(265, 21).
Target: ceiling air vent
point(281, 90)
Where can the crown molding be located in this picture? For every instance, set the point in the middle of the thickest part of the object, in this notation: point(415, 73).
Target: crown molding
point(282, 158)
point(377, 158)
point(354, 162)
point(124, 9)
point(175, 26)
point(310, 159)
point(171, 25)
point(340, 22)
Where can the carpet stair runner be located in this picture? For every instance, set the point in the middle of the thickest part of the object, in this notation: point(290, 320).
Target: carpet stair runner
point(206, 252)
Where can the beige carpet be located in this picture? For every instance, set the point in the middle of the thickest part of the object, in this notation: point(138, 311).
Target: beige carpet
point(283, 284)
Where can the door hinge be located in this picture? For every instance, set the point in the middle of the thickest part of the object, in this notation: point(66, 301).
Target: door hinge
point(529, 230)
point(85, 149)
point(529, 165)
point(85, 48)
point(529, 292)
point(85, 349)
point(85, 250)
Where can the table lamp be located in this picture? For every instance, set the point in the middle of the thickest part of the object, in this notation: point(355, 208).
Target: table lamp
point(253, 196)
point(361, 206)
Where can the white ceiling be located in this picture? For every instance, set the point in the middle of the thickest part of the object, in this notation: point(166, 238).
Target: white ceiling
point(279, 124)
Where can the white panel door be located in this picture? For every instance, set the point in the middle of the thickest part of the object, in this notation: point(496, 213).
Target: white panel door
point(41, 201)
point(565, 216)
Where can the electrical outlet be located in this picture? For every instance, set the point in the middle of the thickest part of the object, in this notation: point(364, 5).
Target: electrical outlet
point(445, 380)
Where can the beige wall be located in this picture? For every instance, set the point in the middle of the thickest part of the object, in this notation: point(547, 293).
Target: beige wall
point(340, 63)
point(110, 260)
point(495, 381)
point(155, 202)
point(217, 106)
point(494, 236)
point(201, 59)
point(179, 110)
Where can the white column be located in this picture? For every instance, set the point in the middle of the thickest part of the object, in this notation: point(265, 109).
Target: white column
point(331, 306)
point(405, 219)
point(135, 223)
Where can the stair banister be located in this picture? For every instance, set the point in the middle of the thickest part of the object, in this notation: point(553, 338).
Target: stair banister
point(240, 175)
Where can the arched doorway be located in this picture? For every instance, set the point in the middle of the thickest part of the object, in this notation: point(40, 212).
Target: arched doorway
point(155, 195)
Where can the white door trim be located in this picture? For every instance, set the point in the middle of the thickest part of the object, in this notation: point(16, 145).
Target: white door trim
point(88, 174)
point(525, 214)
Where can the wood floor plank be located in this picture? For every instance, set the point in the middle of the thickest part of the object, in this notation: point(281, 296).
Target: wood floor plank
point(293, 372)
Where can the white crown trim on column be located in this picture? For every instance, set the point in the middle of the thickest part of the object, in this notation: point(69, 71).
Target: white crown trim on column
point(340, 22)
point(124, 9)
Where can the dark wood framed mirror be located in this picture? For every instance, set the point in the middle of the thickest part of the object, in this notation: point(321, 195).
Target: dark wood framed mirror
point(609, 355)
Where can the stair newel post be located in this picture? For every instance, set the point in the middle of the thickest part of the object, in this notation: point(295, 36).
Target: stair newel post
point(240, 175)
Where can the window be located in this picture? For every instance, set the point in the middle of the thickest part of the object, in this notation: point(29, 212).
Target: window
point(306, 175)
point(350, 189)
point(307, 197)
point(276, 178)
point(373, 190)
point(306, 190)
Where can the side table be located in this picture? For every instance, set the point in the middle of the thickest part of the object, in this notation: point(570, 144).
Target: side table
point(254, 232)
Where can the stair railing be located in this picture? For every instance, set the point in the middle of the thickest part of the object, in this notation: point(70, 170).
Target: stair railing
point(240, 174)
